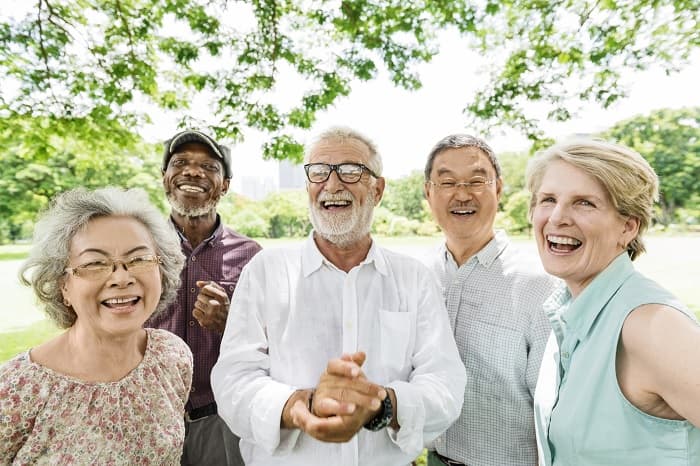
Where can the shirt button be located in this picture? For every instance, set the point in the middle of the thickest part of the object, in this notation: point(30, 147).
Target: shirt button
point(192, 290)
point(192, 390)
point(194, 258)
point(191, 323)
point(566, 355)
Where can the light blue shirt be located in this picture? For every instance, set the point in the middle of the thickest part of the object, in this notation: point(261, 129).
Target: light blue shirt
point(581, 415)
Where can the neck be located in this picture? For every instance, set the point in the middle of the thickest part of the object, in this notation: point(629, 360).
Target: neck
point(347, 256)
point(195, 229)
point(103, 358)
point(462, 249)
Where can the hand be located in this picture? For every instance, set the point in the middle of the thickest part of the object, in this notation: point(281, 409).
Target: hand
point(344, 401)
point(211, 307)
point(343, 389)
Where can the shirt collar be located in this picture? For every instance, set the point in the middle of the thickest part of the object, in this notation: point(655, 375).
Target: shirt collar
point(216, 235)
point(486, 256)
point(312, 259)
point(582, 312)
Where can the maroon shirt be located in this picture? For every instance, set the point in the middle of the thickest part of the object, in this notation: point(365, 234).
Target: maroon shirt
point(219, 258)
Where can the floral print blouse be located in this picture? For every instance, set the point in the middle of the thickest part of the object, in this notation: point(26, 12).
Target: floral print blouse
point(51, 418)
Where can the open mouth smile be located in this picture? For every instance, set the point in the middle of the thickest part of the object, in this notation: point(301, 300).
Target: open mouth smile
point(562, 243)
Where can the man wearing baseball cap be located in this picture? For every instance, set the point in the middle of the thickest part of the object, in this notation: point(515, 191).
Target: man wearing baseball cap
point(196, 174)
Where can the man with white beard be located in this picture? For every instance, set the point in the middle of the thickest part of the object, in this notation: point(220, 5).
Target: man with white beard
point(337, 350)
point(196, 175)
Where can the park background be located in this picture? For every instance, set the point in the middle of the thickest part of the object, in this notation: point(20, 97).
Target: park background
point(89, 90)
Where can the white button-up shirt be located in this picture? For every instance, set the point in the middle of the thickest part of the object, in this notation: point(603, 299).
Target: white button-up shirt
point(293, 311)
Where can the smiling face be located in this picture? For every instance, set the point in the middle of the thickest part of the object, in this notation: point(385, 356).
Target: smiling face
point(578, 230)
point(465, 217)
point(194, 181)
point(342, 212)
point(120, 303)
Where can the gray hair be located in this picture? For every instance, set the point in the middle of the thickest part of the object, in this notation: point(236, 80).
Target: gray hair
point(458, 141)
point(341, 134)
point(627, 177)
point(69, 213)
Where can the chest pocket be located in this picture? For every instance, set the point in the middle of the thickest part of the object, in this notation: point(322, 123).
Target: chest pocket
point(396, 334)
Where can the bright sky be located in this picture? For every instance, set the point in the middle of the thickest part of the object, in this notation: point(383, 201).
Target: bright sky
point(405, 125)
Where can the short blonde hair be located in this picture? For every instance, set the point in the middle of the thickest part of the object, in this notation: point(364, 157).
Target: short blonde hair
point(627, 177)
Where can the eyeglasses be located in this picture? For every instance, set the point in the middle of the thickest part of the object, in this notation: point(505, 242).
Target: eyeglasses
point(101, 269)
point(475, 185)
point(347, 172)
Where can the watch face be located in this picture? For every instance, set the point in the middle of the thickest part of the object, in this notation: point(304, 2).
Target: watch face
point(383, 418)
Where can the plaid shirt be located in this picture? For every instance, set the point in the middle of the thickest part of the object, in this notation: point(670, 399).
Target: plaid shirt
point(219, 258)
point(495, 304)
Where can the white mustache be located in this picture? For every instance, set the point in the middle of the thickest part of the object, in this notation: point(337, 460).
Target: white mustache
point(341, 196)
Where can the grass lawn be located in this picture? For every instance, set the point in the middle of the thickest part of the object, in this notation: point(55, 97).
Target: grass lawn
point(670, 260)
point(14, 342)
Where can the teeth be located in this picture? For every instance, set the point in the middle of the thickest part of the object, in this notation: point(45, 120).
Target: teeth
point(120, 300)
point(463, 212)
point(336, 203)
point(191, 188)
point(563, 240)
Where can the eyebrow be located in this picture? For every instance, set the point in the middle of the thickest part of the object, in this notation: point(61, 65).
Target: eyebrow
point(476, 171)
point(105, 253)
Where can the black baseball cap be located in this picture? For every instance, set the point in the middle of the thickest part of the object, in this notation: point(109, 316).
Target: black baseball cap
point(219, 151)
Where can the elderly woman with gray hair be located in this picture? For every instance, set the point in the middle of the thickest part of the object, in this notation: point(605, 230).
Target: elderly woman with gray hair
point(619, 382)
point(105, 391)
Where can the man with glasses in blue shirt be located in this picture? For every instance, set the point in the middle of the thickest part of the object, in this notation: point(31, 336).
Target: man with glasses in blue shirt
point(337, 350)
point(494, 295)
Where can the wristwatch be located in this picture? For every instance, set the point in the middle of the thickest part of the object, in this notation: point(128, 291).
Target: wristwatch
point(383, 418)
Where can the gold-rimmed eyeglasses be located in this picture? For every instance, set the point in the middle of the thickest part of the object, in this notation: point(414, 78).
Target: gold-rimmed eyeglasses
point(475, 185)
point(102, 268)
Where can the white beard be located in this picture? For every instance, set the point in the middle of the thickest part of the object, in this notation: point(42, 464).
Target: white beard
point(191, 212)
point(343, 228)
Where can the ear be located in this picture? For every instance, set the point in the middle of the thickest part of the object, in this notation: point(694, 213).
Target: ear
point(630, 230)
point(225, 185)
point(378, 189)
point(499, 188)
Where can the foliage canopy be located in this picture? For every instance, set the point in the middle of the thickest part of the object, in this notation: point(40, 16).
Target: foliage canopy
point(272, 65)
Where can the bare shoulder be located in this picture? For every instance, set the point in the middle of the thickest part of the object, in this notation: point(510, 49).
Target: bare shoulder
point(652, 327)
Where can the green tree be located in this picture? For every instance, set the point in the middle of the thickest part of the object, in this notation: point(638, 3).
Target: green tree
point(404, 197)
point(287, 214)
point(69, 58)
point(43, 156)
point(670, 141)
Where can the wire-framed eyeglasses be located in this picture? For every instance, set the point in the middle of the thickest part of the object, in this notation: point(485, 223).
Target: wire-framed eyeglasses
point(348, 172)
point(475, 185)
point(103, 268)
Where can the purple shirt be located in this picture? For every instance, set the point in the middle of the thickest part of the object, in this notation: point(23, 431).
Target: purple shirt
point(219, 258)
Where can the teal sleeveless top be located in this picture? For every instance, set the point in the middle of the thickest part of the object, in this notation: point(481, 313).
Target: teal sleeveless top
point(581, 415)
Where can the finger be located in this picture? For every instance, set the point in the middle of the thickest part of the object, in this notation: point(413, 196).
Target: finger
point(343, 368)
point(212, 290)
point(329, 429)
point(325, 407)
point(358, 357)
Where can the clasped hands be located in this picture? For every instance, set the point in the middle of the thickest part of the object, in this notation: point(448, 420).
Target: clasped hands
point(343, 402)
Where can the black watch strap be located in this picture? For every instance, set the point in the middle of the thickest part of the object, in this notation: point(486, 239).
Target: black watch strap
point(383, 418)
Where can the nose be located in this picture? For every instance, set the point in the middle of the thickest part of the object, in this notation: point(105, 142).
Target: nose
point(559, 215)
point(462, 192)
point(333, 183)
point(120, 275)
point(193, 169)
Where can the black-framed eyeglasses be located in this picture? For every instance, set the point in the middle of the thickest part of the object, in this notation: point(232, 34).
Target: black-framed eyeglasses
point(102, 268)
point(348, 172)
